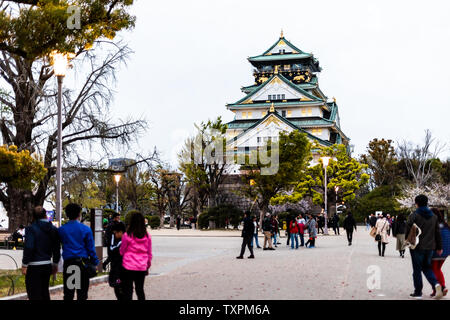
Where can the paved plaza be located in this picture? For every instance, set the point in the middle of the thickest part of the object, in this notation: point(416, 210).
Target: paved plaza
point(203, 265)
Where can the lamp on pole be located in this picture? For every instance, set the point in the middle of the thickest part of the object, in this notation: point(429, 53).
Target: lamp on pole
point(117, 178)
point(336, 188)
point(325, 161)
point(60, 64)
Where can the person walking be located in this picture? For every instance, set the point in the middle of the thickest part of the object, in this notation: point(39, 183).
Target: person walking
point(381, 236)
point(320, 223)
point(437, 261)
point(430, 241)
point(312, 231)
point(109, 236)
point(267, 230)
point(247, 236)
point(373, 220)
point(136, 252)
point(78, 253)
point(398, 231)
point(349, 225)
point(255, 233)
point(336, 224)
point(293, 231)
point(41, 255)
point(275, 230)
point(289, 218)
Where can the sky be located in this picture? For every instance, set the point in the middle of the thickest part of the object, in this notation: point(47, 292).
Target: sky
point(386, 62)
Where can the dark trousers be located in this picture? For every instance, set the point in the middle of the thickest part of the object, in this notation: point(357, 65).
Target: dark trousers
point(69, 279)
point(421, 261)
point(288, 238)
point(246, 241)
point(137, 278)
point(311, 242)
point(381, 248)
point(336, 230)
point(37, 281)
point(349, 235)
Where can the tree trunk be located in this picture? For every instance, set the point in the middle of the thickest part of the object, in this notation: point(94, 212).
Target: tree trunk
point(19, 208)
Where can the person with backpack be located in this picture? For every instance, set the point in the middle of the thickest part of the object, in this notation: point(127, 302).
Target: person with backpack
point(267, 230)
point(41, 255)
point(427, 223)
point(382, 236)
point(398, 231)
point(78, 253)
point(136, 251)
point(349, 225)
point(115, 260)
point(438, 260)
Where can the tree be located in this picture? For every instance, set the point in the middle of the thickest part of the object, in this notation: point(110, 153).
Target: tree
point(342, 171)
point(420, 159)
point(29, 32)
point(203, 161)
point(438, 195)
point(177, 193)
point(159, 195)
point(21, 171)
point(381, 161)
point(293, 150)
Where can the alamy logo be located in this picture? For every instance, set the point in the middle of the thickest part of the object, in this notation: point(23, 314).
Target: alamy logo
point(374, 279)
point(74, 21)
point(74, 278)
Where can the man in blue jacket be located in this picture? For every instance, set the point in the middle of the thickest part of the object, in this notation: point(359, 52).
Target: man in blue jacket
point(41, 246)
point(78, 251)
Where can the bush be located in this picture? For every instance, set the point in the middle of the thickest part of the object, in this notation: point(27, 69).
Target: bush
point(203, 220)
point(153, 221)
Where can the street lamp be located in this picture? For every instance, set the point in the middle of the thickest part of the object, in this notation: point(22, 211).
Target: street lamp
point(117, 178)
point(336, 188)
point(325, 161)
point(60, 63)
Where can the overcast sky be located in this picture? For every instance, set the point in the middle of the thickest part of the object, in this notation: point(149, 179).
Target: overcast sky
point(386, 62)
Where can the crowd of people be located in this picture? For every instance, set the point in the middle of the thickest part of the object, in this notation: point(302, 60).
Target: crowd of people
point(129, 255)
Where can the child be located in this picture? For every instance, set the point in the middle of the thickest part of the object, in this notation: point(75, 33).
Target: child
point(115, 259)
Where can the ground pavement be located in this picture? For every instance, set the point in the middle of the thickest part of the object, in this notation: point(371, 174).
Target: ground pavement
point(195, 265)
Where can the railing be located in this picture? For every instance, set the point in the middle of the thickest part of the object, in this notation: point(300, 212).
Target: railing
point(12, 279)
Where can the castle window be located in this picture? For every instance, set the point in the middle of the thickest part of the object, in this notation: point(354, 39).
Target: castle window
point(283, 96)
point(249, 115)
point(283, 113)
point(270, 97)
point(289, 113)
point(244, 115)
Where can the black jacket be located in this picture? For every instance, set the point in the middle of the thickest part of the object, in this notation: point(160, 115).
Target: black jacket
point(267, 225)
point(249, 228)
point(427, 221)
point(399, 227)
point(115, 259)
point(42, 243)
point(373, 221)
point(349, 222)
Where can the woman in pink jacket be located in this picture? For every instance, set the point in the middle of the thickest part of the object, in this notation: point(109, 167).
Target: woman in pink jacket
point(136, 251)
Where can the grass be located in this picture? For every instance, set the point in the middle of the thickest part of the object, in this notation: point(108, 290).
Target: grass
point(9, 276)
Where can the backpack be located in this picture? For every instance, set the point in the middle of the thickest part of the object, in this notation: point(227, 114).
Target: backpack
point(413, 237)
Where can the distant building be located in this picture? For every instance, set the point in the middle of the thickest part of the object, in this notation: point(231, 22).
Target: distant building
point(285, 96)
point(119, 164)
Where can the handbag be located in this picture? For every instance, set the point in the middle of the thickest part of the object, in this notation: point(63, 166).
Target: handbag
point(373, 232)
point(378, 236)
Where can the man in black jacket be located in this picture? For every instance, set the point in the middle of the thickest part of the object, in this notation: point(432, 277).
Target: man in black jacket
point(349, 225)
point(429, 240)
point(247, 236)
point(42, 244)
point(373, 220)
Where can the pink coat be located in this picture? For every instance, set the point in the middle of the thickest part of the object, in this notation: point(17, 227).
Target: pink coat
point(136, 253)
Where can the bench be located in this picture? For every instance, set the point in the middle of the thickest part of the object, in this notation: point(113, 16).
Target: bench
point(7, 243)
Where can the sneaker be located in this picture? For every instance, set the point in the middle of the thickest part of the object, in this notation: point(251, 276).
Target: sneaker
point(439, 293)
point(415, 296)
point(266, 249)
point(251, 257)
point(240, 257)
point(259, 247)
point(444, 291)
point(271, 249)
point(312, 247)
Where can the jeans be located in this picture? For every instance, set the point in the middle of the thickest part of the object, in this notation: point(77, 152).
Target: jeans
point(37, 282)
point(137, 277)
point(421, 261)
point(274, 239)
point(302, 239)
point(255, 239)
point(294, 236)
point(69, 280)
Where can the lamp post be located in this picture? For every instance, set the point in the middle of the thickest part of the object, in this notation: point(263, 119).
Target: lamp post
point(336, 188)
point(60, 64)
point(117, 178)
point(325, 161)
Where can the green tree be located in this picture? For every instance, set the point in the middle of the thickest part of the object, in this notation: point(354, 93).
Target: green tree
point(22, 171)
point(293, 151)
point(343, 172)
point(381, 161)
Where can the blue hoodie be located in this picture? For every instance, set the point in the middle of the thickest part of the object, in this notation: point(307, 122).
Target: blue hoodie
point(77, 241)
